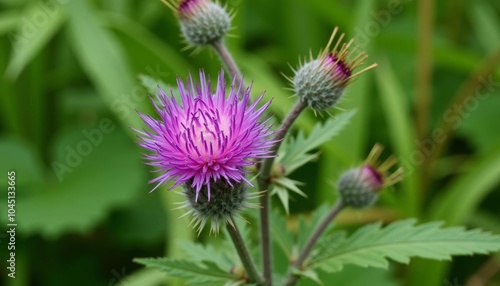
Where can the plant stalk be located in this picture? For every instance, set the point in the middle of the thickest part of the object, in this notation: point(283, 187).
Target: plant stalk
point(243, 253)
point(228, 60)
point(264, 182)
point(291, 278)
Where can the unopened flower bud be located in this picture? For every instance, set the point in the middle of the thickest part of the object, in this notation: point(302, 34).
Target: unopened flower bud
point(321, 82)
point(359, 187)
point(225, 201)
point(202, 21)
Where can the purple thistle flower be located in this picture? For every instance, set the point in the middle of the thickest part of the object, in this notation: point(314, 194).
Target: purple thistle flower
point(207, 137)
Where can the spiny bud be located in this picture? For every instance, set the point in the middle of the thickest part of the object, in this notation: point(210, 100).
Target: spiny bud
point(321, 82)
point(227, 199)
point(202, 21)
point(359, 187)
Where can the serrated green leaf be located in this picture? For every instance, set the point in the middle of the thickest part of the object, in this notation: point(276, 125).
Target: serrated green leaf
point(300, 161)
point(296, 153)
point(199, 253)
point(290, 184)
point(373, 245)
point(282, 186)
point(355, 275)
point(284, 197)
point(195, 273)
point(309, 273)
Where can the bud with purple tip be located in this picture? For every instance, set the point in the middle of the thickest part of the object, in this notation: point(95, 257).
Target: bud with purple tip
point(359, 187)
point(321, 82)
point(202, 21)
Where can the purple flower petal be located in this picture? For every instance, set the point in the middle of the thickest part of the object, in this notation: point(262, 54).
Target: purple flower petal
point(206, 138)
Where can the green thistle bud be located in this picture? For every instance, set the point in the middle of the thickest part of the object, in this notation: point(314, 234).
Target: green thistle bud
point(225, 201)
point(321, 82)
point(359, 187)
point(202, 21)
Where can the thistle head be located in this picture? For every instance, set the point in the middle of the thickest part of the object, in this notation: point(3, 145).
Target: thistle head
point(321, 81)
point(359, 187)
point(228, 199)
point(202, 21)
point(205, 137)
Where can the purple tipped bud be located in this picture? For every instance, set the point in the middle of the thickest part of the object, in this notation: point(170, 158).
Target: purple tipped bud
point(339, 69)
point(321, 82)
point(189, 8)
point(372, 176)
point(359, 187)
point(203, 21)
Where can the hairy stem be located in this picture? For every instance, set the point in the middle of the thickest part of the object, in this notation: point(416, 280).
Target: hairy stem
point(291, 278)
point(264, 182)
point(228, 60)
point(244, 254)
point(265, 238)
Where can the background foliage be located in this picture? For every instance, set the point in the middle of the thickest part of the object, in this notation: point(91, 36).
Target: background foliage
point(73, 74)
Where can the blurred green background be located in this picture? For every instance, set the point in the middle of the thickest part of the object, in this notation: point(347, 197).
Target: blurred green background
point(72, 78)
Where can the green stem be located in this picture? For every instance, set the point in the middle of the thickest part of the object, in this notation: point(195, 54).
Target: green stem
point(264, 182)
point(242, 250)
point(291, 278)
point(228, 60)
point(265, 237)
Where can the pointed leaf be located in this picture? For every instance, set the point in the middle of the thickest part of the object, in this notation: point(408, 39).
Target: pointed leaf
point(283, 196)
point(290, 184)
point(199, 253)
point(297, 149)
point(372, 245)
point(195, 273)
